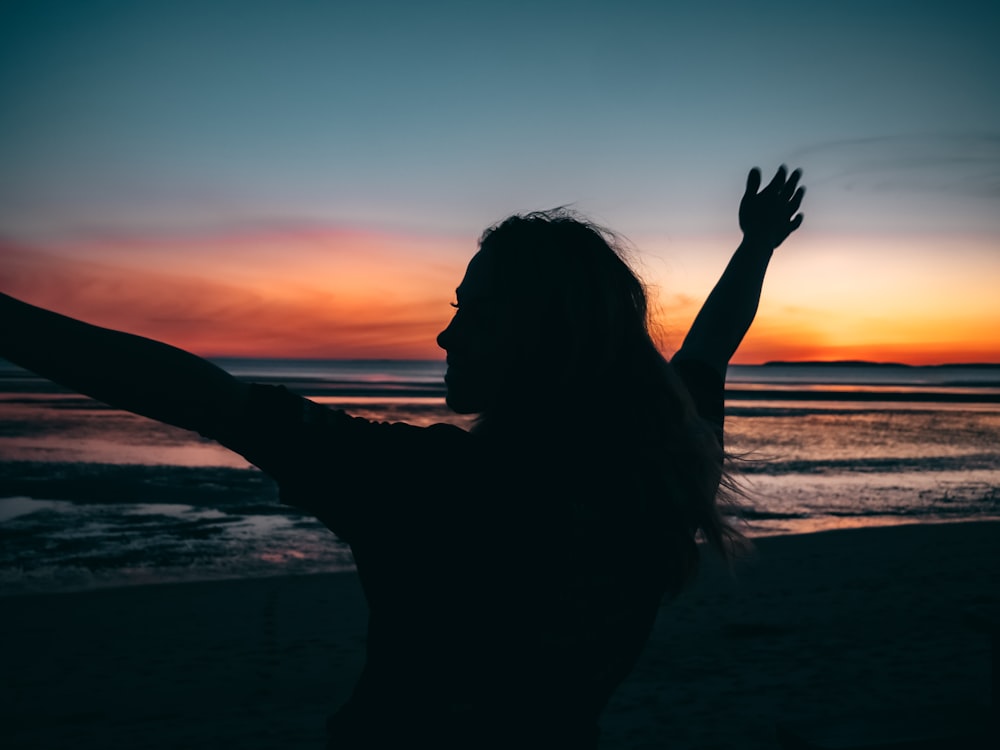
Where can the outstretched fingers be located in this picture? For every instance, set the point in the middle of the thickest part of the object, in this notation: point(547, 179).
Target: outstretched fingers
point(796, 200)
point(768, 216)
point(788, 189)
point(782, 185)
point(779, 181)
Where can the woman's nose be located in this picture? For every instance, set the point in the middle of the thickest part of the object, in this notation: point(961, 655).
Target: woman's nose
point(444, 338)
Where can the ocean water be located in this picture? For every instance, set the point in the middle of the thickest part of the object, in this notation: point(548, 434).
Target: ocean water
point(93, 497)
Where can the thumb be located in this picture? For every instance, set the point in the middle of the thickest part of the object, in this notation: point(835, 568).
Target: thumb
point(753, 182)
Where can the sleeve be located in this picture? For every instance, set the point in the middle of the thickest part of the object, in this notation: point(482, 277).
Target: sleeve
point(344, 470)
point(707, 389)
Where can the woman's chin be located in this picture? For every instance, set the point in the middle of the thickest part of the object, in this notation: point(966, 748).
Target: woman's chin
point(462, 400)
point(461, 404)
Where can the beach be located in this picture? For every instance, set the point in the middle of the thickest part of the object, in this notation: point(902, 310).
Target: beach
point(156, 594)
point(812, 625)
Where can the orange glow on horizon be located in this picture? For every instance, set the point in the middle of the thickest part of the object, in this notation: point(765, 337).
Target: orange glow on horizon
point(357, 294)
point(913, 300)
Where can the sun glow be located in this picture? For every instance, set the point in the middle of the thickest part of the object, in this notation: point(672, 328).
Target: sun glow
point(346, 293)
point(917, 300)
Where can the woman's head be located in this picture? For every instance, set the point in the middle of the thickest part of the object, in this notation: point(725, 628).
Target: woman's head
point(548, 309)
point(552, 327)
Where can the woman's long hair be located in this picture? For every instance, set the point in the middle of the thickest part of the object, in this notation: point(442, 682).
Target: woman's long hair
point(580, 350)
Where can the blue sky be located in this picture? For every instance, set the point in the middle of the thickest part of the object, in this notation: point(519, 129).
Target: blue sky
point(155, 118)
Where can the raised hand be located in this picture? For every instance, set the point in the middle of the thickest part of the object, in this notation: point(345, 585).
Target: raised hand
point(766, 218)
point(769, 216)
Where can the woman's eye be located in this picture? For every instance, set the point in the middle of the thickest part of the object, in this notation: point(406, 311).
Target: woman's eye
point(454, 304)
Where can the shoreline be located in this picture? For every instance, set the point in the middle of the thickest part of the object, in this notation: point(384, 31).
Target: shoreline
point(78, 526)
point(811, 625)
point(313, 550)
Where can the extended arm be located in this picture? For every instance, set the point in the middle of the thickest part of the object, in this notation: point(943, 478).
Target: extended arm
point(128, 372)
point(766, 218)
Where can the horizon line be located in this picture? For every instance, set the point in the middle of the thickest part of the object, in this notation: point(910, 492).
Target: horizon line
point(768, 363)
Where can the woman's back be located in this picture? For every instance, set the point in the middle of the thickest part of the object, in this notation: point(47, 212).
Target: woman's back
point(511, 581)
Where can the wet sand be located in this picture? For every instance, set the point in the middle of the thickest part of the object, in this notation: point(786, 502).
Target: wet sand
point(814, 625)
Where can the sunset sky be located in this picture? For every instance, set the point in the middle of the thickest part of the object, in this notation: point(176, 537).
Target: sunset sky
point(306, 178)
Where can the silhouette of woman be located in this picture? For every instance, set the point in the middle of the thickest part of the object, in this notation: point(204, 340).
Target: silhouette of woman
point(512, 571)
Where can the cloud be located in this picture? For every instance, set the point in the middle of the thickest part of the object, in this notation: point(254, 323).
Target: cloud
point(215, 318)
point(964, 164)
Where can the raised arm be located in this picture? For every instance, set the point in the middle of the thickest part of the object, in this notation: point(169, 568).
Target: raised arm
point(766, 218)
point(128, 372)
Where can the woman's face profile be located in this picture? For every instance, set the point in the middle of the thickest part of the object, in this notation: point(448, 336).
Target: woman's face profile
point(471, 340)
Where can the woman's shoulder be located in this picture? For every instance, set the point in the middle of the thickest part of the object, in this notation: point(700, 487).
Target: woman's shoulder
point(693, 370)
point(705, 385)
point(287, 434)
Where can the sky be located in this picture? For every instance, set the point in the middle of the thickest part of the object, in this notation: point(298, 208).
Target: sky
point(309, 179)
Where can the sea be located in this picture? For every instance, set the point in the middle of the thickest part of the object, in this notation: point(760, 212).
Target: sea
point(92, 497)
